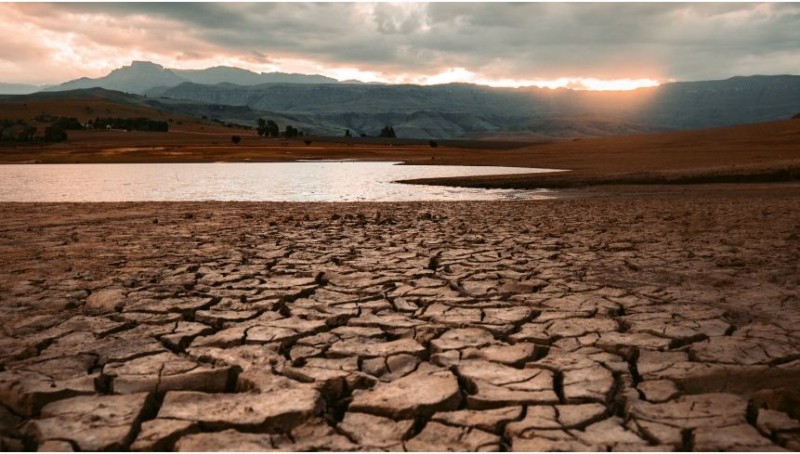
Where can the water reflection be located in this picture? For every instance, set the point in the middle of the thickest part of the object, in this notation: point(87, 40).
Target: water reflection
point(318, 181)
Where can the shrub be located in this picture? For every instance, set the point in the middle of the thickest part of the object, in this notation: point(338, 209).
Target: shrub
point(236, 140)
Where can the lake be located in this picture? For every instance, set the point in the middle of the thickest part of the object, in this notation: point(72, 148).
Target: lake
point(310, 181)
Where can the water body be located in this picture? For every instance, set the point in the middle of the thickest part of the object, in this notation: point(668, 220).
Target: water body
point(311, 181)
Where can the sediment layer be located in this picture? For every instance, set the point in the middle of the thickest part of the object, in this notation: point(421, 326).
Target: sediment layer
point(632, 322)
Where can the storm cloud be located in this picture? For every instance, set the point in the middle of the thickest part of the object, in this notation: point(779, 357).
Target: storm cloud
point(406, 42)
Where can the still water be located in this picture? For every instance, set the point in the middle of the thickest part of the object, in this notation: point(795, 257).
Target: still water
point(313, 181)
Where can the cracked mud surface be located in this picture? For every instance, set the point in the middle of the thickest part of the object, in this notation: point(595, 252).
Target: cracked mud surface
point(632, 322)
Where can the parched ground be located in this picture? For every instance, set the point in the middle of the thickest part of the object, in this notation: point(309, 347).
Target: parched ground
point(634, 321)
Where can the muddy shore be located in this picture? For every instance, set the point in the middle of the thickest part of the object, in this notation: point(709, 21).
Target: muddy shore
point(626, 320)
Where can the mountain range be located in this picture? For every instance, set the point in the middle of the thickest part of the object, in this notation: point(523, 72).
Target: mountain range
point(142, 76)
point(324, 106)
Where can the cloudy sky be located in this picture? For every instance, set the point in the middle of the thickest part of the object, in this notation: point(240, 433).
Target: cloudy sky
point(582, 45)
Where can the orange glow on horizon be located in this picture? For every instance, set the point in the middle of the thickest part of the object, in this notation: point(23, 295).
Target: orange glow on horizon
point(454, 75)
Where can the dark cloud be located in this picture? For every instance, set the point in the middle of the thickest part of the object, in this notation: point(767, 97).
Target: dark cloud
point(497, 40)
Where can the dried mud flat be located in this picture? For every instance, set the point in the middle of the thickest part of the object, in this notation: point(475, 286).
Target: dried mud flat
point(633, 322)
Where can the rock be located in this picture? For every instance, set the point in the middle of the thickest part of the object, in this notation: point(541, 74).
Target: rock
point(546, 417)
point(266, 411)
point(666, 421)
point(770, 422)
point(658, 390)
point(229, 440)
point(511, 355)
point(487, 420)
point(92, 423)
point(372, 432)
point(183, 334)
point(414, 395)
point(55, 446)
point(460, 338)
point(494, 385)
point(364, 349)
point(218, 318)
point(283, 330)
point(165, 372)
point(440, 437)
point(33, 385)
point(106, 300)
point(313, 435)
point(161, 434)
point(740, 437)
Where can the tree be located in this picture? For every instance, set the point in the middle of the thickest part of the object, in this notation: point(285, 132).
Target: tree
point(272, 129)
point(388, 131)
point(54, 134)
point(236, 140)
point(262, 127)
point(291, 131)
point(347, 133)
point(433, 144)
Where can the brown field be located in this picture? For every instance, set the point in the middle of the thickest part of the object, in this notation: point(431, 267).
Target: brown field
point(757, 152)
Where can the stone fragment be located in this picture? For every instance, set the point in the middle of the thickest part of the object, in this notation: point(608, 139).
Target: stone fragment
point(616, 342)
point(658, 390)
point(439, 437)
point(218, 318)
point(740, 437)
point(495, 385)
point(462, 338)
point(743, 350)
point(363, 349)
point(372, 432)
point(283, 330)
point(281, 410)
point(93, 423)
point(315, 434)
point(666, 421)
point(771, 422)
point(28, 388)
point(229, 440)
point(183, 334)
point(184, 305)
point(55, 446)
point(242, 356)
point(546, 417)
point(488, 420)
point(332, 383)
point(160, 434)
point(106, 300)
point(165, 372)
point(411, 396)
point(516, 354)
point(590, 383)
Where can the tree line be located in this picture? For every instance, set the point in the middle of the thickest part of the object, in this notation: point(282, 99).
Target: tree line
point(268, 128)
point(22, 131)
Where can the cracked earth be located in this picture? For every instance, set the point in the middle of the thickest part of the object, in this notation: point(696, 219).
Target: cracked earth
point(626, 323)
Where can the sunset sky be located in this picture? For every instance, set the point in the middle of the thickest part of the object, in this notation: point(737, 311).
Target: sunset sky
point(577, 45)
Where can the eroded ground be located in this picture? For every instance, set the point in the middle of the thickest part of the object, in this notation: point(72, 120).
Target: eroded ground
point(632, 322)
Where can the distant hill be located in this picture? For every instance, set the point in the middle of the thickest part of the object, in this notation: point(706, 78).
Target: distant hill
point(464, 110)
point(137, 78)
point(324, 106)
point(19, 89)
point(142, 76)
point(237, 76)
